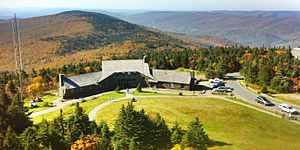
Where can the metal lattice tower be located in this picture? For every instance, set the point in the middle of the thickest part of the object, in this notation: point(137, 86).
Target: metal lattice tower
point(18, 52)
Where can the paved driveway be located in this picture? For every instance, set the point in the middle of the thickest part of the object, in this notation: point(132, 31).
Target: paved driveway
point(247, 95)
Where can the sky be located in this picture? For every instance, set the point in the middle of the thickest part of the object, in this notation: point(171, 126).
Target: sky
point(188, 5)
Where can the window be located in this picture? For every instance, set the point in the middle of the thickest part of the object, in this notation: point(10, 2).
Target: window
point(182, 86)
point(172, 85)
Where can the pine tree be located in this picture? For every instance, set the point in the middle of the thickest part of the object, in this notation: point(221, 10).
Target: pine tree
point(106, 135)
point(78, 124)
point(133, 125)
point(195, 136)
point(11, 140)
point(139, 87)
point(162, 133)
point(177, 134)
point(10, 88)
point(12, 113)
point(265, 75)
point(28, 138)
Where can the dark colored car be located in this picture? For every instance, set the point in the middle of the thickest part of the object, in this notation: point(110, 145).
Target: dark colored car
point(263, 101)
point(218, 85)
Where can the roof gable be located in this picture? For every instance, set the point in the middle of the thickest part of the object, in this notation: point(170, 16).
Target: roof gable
point(112, 66)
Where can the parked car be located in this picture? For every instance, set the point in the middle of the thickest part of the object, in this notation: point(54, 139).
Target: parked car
point(215, 85)
point(264, 101)
point(222, 89)
point(33, 105)
point(286, 108)
point(215, 80)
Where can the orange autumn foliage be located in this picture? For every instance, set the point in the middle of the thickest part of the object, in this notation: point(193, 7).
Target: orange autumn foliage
point(88, 69)
point(87, 143)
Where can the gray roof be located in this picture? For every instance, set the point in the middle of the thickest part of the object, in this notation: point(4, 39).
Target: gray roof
point(296, 52)
point(172, 76)
point(112, 66)
point(82, 80)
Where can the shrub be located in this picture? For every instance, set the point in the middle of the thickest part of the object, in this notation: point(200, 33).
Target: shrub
point(87, 143)
point(139, 87)
point(264, 89)
point(117, 89)
point(133, 100)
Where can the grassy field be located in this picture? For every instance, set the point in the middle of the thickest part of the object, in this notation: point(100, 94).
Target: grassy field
point(148, 93)
point(291, 98)
point(47, 98)
point(87, 106)
point(234, 126)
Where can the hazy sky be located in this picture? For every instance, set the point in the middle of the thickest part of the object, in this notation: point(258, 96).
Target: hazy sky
point(158, 4)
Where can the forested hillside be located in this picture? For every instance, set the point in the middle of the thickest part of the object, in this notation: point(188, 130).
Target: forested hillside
point(253, 28)
point(78, 36)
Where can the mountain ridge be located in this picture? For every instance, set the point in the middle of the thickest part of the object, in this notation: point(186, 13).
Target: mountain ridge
point(78, 36)
point(253, 28)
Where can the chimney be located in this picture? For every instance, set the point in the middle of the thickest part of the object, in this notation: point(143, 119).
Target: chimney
point(146, 59)
point(61, 80)
point(192, 73)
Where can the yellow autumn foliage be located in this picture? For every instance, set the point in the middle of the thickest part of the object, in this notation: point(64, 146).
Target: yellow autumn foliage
point(177, 147)
point(87, 143)
point(88, 69)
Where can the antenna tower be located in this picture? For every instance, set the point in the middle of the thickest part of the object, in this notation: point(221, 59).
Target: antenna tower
point(18, 52)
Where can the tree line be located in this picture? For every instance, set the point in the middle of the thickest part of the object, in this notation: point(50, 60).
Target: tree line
point(273, 69)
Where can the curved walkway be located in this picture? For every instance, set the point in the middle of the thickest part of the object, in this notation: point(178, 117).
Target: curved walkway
point(59, 105)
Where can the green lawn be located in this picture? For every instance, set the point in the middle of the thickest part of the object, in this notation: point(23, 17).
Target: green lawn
point(148, 93)
point(234, 126)
point(87, 107)
point(47, 98)
point(291, 98)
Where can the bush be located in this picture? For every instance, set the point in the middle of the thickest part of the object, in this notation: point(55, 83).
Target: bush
point(133, 100)
point(139, 87)
point(180, 93)
point(117, 89)
point(264, 89)
point(87, 143)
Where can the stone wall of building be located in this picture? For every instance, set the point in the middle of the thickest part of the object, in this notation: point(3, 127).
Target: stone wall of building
point(123, 80)
point(176, 86)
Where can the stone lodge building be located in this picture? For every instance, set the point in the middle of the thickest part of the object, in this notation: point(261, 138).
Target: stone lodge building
point(125, 74)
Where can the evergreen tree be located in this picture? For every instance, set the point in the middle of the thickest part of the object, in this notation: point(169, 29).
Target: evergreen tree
point(139, 87)
point(105, 135)
point(12, 114)
point(133, 125)
point(177, 134)
point(195, 136)
point(162, 133)
point(11, 140)
point(78, 124)
point(11, 89)
point(265, 75)
point(28, 138)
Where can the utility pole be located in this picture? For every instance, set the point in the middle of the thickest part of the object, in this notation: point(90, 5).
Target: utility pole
point(18, 52)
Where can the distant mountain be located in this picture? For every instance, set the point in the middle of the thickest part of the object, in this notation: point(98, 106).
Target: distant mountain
point(204, 41)
point(253, 28)
point(7, 13)
point(77, 36)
